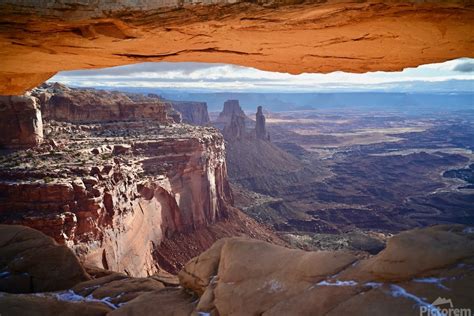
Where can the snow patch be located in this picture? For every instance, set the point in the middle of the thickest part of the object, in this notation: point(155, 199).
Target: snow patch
point(274, 286)
point(432, 280)
point(71, 296)
point(374, 284)
point(4, 274)
point(398, 291)
point(337, 283)
point(468, 230)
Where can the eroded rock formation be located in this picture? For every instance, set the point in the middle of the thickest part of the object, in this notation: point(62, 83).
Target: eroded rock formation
point(260, 129)
point(194, 113)
point(62, 103)
point(21, 125)
point(33, 262)
point(314, 36)
point(241, 276)
point(116, 188)
point(231, 107)
point(235, 129)
point(244, 277)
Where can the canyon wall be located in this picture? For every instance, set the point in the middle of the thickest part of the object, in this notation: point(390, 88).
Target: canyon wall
point(21, 124)
point(61, 103)
point(194, 113)
point(124, 192)
point(112, 216)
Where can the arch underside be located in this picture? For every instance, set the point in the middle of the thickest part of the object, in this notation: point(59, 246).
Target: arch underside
point(351, 36)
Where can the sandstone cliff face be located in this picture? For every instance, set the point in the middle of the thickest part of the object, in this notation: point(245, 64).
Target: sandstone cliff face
point(231, 107)
point(21, 125)
point(128, 190)
point(114, 213)
point(194, 113)
point(235, 129)
point(61, 103)
point(314, 36)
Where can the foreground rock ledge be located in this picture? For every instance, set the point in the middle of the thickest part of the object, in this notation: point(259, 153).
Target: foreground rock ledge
point(357, 36)
point(238, 276)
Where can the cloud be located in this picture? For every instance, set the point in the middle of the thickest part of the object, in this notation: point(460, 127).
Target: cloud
point(464, 67)
point(224, 77)
point(185, 68)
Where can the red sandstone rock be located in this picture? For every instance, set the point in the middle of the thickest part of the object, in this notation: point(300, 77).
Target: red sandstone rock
point(240, 276)
point(247, 277)
point(312, 36)
point(49, 305)
point(194, 113)
point(21, 125)
point(33, 262)
point(61, 103)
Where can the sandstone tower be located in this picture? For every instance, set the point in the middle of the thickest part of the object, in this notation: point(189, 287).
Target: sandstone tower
point(260, 129)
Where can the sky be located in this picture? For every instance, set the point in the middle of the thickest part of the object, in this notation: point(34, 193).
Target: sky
point(451, 76)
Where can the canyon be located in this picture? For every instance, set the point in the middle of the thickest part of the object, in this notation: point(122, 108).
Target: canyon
point(117, 181)
point(349, 178)
point(115, 203)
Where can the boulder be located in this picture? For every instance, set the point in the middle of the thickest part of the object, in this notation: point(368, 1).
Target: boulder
point(416, 252)
point(32, 262)
point(165, 302)
point(49, 305)
point(238, 276)
point(117, 288)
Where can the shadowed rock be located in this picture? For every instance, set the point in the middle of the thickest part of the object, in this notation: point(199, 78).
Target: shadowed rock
point(32, 262)
point(260, 130)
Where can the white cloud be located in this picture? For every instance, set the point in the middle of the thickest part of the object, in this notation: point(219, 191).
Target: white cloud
point(230, 77)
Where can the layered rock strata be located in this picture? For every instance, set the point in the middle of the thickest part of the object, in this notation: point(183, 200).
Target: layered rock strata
point(313, 36)
point(235, 130)
point(231, 108)
point(62, 103)
point(21, 124)
point(114, 204)
point(194, 113)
